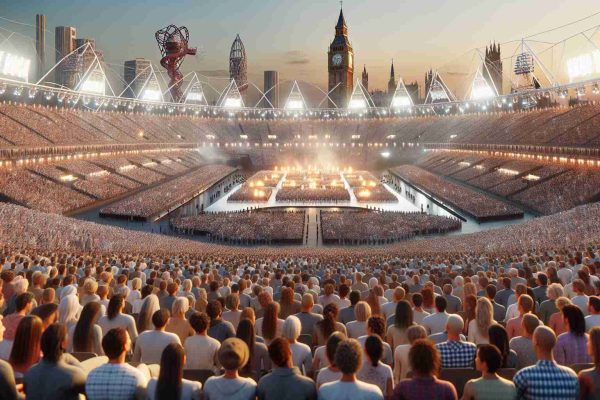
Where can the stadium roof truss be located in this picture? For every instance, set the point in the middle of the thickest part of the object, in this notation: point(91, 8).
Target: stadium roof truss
point(295, 100)
point(438, 91)
point(481, 88)
point(360, 99)
point(194, 92)
point(231, 98)
point(401, 97)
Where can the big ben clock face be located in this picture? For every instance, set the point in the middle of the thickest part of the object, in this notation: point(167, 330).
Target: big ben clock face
point(336, 59)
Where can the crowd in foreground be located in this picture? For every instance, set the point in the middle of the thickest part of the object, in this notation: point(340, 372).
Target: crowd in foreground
point(124, 326)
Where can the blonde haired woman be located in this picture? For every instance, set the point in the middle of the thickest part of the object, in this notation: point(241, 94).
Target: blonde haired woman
point(177, 323)
point(469, 288)
point(557, 322)
point(90, 287)
point(358, 328)
point(484, 318)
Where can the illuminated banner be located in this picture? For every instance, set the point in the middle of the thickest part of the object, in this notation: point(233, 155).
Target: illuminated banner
point(14, 66)
point(583, 65)
point(524, 64)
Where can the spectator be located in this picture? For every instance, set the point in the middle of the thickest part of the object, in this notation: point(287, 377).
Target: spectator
point(347, 314)
point(401, 364)
point(499, 338)
point(51, 378)
point(26, 347)
point(373, 370)
point(490, 386)
point(504, 294)
point(48, 313)
point(170, 383)
point(571, 346)
point(301, 353)
point(115, 318)
point(557, 320)
point(580, 299)
point(525, 306)
point(478, 328)
point(418, 313)
point(233, 356)
point(499, 309)
point(455, 353)
point(523, 345)
point(548, 307)
point(589, 379)
point(453, 303)
point(348, 358)
point(116, 380)
point(270, 325)
point(593, 319)
point(425, 363)
point(546, 380)
point(177, 323)
point(540, 291)
point(166, 302)
point(218, 329)
point(149, 306)
point(86, 335)
point(258, 354)
point(8, 387)
point(358, 328)
point(397, 334)
point(23, 306)
point(307, 318)
point(201, 350)
point(331, 373)
point(285, 377)
point(150, 344)
point(327, 325)
point(232, 315)
point(436, 322)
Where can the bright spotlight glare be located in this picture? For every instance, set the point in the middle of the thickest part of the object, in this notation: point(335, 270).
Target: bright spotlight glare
point(385, 154)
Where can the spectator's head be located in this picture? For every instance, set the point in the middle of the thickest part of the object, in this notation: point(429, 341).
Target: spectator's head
point(525, 304)
point(440, 304)
point(280, 353)
point(376, 326)
point(248, 313)
point(331, 346)
point(269, 324)
point(172, 288)
point(415, 332)
point(344, 290)
point(291, 328)
point(116, 344)
point(489, 359)
point(24, 303)
point(307, 302)
point(542, 279)
point(354, 297)
point(424, 358)
point(180, 306)
point(362, 311)
point(348, 356)
point(530, 322)
point(400, 293)
point(594, 345)
point(574, 319)
point(447, 289)
point(214, 309)
point(506, 282)
point(578, 286)
point(48, 313)
point(160, 319)
point(499, 338)
point(562, 301)
point(26, 344)
point(232, 302)
point(199, 322)
point(594, 305)
point(48, 296)
point(417, 300)
point(374, 349)
point(90, 286)
point(404, 315)
point(170, 377)
point(484, 315)
point(454, 326)
point(490, 291)
point(54, 342)
point(115, 306)
point(233, 354)
point(544, 341)
point(554, 291)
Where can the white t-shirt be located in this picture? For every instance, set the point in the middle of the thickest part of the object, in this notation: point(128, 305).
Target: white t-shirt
point(326, 375)
point(591, 321)
point(356, 390)
point(219, 388)
point(356, 329)
point(320, 357)
point(190, 390)
point(435, 323)
point(301, 357)
point(201, 352)
point(378, 375)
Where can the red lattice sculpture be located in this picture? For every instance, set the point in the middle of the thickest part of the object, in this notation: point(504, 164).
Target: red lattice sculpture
point(173, 44)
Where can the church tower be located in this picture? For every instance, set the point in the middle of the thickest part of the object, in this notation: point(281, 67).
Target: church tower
point(365, 78)
point(340, 61)
point(392, 81)
point(493, 71)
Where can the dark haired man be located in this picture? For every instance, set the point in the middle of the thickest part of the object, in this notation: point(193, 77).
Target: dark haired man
point(150, 344)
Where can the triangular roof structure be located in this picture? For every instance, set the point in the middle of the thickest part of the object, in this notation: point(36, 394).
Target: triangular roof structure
point(150, 90)
point(231, 96)
point(481, 88)
point(524, 70)
point(295, 100)
point(438, 91)
point(93, 80)
point(194, 93)
point(401, 97)
point(359, 100)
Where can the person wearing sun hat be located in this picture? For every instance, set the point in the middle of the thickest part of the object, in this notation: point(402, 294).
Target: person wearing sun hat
point(233, 356)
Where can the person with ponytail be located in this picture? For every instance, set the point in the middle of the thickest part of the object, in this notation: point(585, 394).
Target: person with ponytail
point(373, 370)
point(328, 325)
point(170, 383)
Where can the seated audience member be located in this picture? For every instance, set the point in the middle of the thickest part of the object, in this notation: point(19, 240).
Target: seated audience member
point(327, 325)
point(8, 387)
point(484, 318)
point(398, 328)
point(376, 327)
point(331, 373)
point(233, 356)
point(52, 378)
point(269, 326)
point(453, 303)
point(177, 323)
point(348, 358)
point(115, 318)
point(424, 385)
point(589, 379)
point(258, 354)
point(418, 312)
point(572, 346)
point(436, 322)
point(373, 370)
point(86, 335)
point(26, 350)
point(546, 380)
point(490, 386)
point(524, 306)
point(48, 313)
point(388, 309)
point(285, 380)
point(307, 318)
point(347, 314)
point(523, 345)
point(499, 309)
point(358, 328)
point(150, 344)
point(593, 319)
point(301, 353)
point(116, 379)
point(201, 350)
point(23, 306)
point(499, 338)
point(401, 364)
point(557, 320)
point(170, 383)
point(232, 315)
point(548, 307)
point(218, 328)
point(455, 353)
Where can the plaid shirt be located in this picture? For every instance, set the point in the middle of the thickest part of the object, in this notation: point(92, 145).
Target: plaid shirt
point(457, 354)
point(546, 380)
point(114, 382)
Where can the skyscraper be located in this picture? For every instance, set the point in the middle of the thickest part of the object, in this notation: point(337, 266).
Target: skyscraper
point(139, 67)
point(271, 89)
point(365, 78)
point(340, 60)
point(40, 43)
point(238, 65)
point(64, 40)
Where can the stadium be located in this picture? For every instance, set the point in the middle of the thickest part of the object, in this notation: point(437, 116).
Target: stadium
point(166, 233)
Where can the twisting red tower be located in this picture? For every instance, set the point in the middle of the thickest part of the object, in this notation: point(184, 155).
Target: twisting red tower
point(173, 44)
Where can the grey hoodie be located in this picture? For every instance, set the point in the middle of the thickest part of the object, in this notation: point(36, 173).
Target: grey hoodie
point(221, 388)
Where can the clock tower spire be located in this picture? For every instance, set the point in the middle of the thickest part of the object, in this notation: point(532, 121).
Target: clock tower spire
point(340, 62)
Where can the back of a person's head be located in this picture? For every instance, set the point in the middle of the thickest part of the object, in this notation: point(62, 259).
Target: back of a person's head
point(199, 322)
point(415, 332)
point(490, 291)
point(348, 356)
point(454, 324)
point(280, 352)
point(544, 338)
point(52, 342)
point(362, 311)
point(160, 318)
point(491, 356)
point(331, 346)
point(172, 288)
point(169, 383)
point(214, 309)
point(114, 306)
point(26, 344)
point(530, 322)
point(575, 318)
point(114, 342)
point(377, 325)
point(180, 306)
point(440, 304)
point(354, 297)
point(374, 349)
point(233, 354)
point(594, 340)
point(22, 300)
point(594, 303)
point(424, 358)
point(417, 299)
point(307, 301)
point(291, 328)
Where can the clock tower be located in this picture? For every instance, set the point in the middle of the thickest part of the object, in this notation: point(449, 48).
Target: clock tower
point(340, 62)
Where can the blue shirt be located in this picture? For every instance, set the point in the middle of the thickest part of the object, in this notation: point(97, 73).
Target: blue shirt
point(455, 354)
point(546, 380)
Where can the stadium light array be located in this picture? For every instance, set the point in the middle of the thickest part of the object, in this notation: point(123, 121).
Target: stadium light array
point(14, 66)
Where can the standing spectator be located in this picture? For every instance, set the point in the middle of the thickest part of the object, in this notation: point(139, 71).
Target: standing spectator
point(328, 295)
point(115, 318)
point(52, 378)
point(149, 306)
point(436, 322)
point(540, 290)
point(307, 318)
point(218, 329)
point(589, 379)
point(301, 353)
point(348, 358)
point(490, 386)
point(593, 319)
point(546, 380)
point(425, 363)
point(571, 346)
point(150, 344)
point(468, 313)
point(388, 309)
point(285, 377)
point(201, 350)
point(523, 345)
point(170, 383)
point(177, 323)
point(288, 306)
point(484, 318)
point(233, 356)
point(166, 302)
point(373, 370)
point(116, 380)
point(454, 353)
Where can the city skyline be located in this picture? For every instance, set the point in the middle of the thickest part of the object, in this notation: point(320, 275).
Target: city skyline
point(284, 36)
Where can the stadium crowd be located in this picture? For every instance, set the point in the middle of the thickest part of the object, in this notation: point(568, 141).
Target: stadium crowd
point(320, 194)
